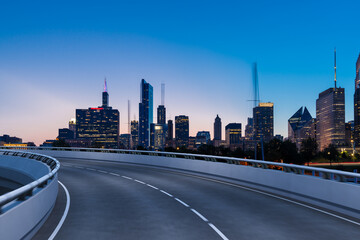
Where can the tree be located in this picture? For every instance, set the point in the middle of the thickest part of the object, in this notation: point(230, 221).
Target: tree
point(331, 154)
point(289, 152)
point(272, 150)
point(308, 150)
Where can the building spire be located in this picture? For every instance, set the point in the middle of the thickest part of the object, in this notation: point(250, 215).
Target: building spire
point(335, 65)
point(105, 85)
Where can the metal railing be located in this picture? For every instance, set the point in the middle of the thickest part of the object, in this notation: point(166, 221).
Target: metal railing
point(26, 191)
point(329, 174)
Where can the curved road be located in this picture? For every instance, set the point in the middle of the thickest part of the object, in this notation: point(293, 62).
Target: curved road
point(124, 201)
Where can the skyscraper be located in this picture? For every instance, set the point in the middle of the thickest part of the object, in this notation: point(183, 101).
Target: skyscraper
point(357, 105)
point(170, 134)
point(202, 138)
point(100, 125)
point(158, 133)
point(161, 114)
point(145, 113)
point(249, 129)
point(135, 133)
point(233, 134)
point(330, 116)
point(217, 128)
point(301, 126)
point(182, 131)
point(263, 122)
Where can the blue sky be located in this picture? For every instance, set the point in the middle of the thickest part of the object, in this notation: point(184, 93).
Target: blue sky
point(55, 55)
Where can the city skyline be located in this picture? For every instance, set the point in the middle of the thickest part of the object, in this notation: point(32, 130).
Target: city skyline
point(49, 70)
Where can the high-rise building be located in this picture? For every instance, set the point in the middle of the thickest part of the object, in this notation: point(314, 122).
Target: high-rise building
point(249, 129)
point(124, 141)
point(202, 138)
point(301, 126)
point(161, 114)
point(100, 125)
point(170, 135)
point(356, 137)
point(182, 131)
point(135, 133)
point(330, 118)
point(349, 133)
point(263, 116)
point(217, 128)
point(65, 133)
point(145, 113)
point(72, 126)
point(233, 134)
point(158, 133)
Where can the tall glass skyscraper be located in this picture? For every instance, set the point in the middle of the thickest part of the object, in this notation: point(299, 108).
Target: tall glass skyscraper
point(145, 113)
point(330, 118)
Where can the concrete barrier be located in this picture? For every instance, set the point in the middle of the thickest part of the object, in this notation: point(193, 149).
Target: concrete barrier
point(338, 196)
point(21, 219)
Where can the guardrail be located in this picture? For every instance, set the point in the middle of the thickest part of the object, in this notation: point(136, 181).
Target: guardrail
point(328, 174)
point(27, 190)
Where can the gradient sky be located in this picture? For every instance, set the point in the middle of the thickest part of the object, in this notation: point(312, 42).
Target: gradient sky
point(54, 56)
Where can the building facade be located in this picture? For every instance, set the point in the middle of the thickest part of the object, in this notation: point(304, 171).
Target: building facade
point(158, 133)
point(100, 125)
point(145, 113)
point(182, 131)
point(301, 126)
point(356, 137)
point(217, 128)
point(233, 134)
point(135, 133)
point(161, 114)
point(330, 118)
point(263, 116)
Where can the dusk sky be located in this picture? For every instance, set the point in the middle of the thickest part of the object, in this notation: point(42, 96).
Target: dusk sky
point(54, 56)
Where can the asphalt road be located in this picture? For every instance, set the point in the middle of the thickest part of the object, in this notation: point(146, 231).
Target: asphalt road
point(123, 201)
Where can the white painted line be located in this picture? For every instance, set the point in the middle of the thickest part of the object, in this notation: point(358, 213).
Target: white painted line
point(277, 197)
point(91, 169)
point(115, 174)
point(166, 193)
point(62, 220)
point(218, 231)
point(152, 186)
point(102, 171)
point(139, 181)
point(199, 215)
point(181, 202)
point(127, 177)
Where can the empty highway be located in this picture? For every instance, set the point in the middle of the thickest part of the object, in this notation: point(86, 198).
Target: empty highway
point(124, 201)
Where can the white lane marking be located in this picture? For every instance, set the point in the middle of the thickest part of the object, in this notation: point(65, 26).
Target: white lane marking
point(77, 167)
point(102, 171)
point(152, 186)
point(62, 220)
point(127, 177)
point(199, 215)
point(91, 169)
point(218, 231)
point(115, 174)
point(277, 197)
point(139, 181)
point(166, 193)
point(181, 202)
